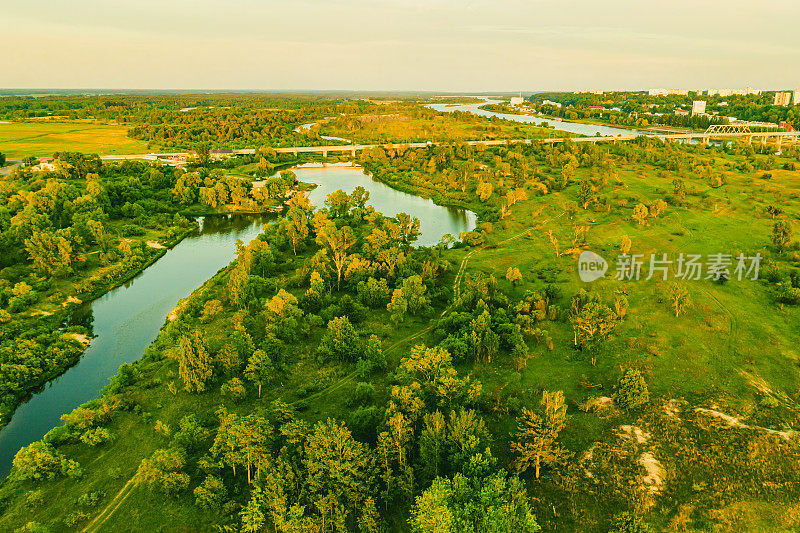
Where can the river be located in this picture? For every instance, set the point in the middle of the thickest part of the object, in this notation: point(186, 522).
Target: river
point(435, 220)
point(127, 319)
point(561, 125)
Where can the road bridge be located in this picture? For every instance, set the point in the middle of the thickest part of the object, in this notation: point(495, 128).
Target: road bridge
point(776, 137)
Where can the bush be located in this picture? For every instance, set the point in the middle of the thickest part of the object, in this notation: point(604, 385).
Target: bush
point(363, 423)
point(131, 230)
point(789, 295)
point(631, 391)
point(363, 394)
point(629, 523)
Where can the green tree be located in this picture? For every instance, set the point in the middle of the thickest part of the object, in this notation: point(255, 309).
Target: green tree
point(252, 516)
point(341, 341)
point(338, 241)
point(259, 369)
point(782, 235)
point(162, 471)
point(194, 363)
point(631, 391)
point(679, 298)
point(296, 226)
point(513, 275)
point(535, 443)
point(431, 512)
point(40, 460)
point(585, 193)
point(339, 468)
point(210, 494)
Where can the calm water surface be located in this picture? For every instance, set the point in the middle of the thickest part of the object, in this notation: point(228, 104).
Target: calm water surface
point(563, 125)
point(435, 220)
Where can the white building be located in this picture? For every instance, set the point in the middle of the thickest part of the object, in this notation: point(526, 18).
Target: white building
point(747, 91)
point(550, 102)
point(698, 107)
point(667, 92)
point(783, 98)
point(517, 100)
point(796, 100)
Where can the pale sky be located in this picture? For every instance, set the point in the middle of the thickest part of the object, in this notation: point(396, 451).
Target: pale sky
point(438, 45)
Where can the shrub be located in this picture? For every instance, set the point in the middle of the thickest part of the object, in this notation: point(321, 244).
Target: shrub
point(631, 391)
point(629, 523)
point(363, 394)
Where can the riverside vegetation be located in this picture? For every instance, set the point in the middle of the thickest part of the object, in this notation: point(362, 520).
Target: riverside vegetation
point(336, 377)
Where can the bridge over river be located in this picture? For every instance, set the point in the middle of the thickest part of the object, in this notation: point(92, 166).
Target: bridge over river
point(777, 137)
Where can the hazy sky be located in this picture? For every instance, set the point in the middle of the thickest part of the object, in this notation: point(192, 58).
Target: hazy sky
point(446, 45)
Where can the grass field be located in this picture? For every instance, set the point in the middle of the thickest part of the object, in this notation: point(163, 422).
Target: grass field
point(23, 139)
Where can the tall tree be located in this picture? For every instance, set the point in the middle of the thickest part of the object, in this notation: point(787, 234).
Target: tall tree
point(338, 241)
point(535, 443)
point(194, 363)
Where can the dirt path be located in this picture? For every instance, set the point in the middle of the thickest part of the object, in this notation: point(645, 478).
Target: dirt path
point(106, 513)
point(463, 266)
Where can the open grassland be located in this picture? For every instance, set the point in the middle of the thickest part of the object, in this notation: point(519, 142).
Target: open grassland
point(42, 138)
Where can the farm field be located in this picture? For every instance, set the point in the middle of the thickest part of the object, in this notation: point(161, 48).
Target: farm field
point(42, 138)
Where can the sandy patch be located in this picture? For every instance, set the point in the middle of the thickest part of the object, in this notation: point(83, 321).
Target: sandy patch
point(673, 408)
point(734, 422)
point(41, 313)
point(155, 244)
point(634, 432)
point(588, 456)
point(83, 339)
point(71, 300)
point(654, 480)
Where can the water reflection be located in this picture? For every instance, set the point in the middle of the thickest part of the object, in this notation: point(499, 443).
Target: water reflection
point(560, 125)
point(125, 321)
point(435, 220)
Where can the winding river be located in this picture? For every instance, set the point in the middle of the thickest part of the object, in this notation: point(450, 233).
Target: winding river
point(561, 125)
point(127, 319)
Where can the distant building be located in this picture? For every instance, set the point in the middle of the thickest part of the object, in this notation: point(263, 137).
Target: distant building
point(667, 92)
point(517, 100)
point(597, 108)
point(729, 92)
point(681, 112)
point(796, 99)
point(698, 107)
point(550, 102)
point(783, 98)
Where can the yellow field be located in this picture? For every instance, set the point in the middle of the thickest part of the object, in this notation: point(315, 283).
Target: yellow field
point(22, 139)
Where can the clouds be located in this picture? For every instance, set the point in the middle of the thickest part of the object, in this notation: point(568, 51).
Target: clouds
point(399, 44)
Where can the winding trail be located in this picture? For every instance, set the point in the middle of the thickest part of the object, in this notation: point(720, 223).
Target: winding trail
point(463, 266)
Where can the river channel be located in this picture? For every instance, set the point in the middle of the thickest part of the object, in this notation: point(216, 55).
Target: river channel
point(127, 319)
